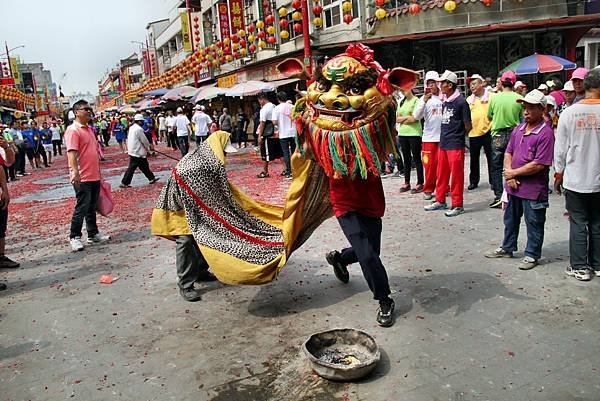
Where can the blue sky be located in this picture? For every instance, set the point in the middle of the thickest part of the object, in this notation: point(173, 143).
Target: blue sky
point(80, 38)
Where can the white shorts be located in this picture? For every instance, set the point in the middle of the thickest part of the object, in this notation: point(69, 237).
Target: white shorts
point(47, 147)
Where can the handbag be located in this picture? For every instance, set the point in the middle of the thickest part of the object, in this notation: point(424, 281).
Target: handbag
point(269, 129)
point(105, 204)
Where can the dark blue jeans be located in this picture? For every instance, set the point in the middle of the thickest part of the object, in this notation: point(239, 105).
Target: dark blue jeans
point(288, 147)
point(87, 196)
point(183, 144)
point(364, 235)
point(535, 218)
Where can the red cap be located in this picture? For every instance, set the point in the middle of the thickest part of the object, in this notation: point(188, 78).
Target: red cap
point(509, 76)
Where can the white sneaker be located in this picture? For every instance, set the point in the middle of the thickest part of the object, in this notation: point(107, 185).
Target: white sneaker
point(98, 238)
point(76, 244)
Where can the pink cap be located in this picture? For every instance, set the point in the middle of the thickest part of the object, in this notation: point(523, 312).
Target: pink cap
point(509, 76)
point(579, 73)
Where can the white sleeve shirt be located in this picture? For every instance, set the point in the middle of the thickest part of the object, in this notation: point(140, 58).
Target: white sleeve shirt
point(137, 143)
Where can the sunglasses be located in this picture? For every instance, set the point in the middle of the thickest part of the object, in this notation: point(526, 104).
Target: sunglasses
point(86, 109)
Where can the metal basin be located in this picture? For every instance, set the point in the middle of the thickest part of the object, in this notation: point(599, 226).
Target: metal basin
point(342, 354)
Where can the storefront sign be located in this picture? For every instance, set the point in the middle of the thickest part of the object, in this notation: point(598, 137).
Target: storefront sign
point(226, 81)
point(185, 32)
point(264, 9)
point(224, 23)
point(237, 15)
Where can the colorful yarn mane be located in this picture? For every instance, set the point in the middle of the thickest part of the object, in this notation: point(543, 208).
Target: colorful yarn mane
point(353, 153)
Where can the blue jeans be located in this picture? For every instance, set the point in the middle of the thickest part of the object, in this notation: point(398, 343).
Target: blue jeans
point(535, 218)
point(183, 144)
point(288, 147)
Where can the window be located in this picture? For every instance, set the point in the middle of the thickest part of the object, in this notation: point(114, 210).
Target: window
point(288, 17)
point(333, 13)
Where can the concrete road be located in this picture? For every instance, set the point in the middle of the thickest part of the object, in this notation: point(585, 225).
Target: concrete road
point(467, 328)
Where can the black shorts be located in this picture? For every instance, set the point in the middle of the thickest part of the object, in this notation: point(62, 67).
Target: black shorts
point(3, 222)
point(270, 149)
point(31, 153)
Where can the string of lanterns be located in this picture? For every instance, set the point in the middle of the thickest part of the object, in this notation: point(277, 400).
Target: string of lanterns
point(415, 7)
point(8, 92)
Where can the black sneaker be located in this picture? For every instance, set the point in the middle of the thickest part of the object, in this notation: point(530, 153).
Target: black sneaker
point(190, 294)
point(472, 187)
point(154, 181)
point(2, 287)
point(8, 263)
point(339, 269)
point(496, 204)
point(206, 275)
point(385, 314)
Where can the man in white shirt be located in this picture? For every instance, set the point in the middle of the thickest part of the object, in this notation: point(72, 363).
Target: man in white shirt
point(56, 138)
point(577, 166)
point(137, 148)
point(269, 145)
point(182, 129)
point(162, 127)
point(171, 135)
point(201, 122)
point(282, 118)
point(429, 108)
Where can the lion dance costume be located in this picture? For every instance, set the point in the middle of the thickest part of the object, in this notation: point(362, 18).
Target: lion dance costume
point(344, 137)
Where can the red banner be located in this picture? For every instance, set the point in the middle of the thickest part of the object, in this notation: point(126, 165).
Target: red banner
point(237, 15)
point(224, 23)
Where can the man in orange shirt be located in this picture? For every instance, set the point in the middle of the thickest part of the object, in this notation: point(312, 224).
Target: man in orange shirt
point(84, 164)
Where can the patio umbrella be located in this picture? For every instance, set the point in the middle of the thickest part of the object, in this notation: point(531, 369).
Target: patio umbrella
point(207, 93)
point(123, 107)
point(147, 104)
point(128, 110)
point(156, 92)
point(537, 63)
point(250, 88)
point(182, 92)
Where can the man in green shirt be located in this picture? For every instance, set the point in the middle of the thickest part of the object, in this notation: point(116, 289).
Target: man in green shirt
point(505, 113)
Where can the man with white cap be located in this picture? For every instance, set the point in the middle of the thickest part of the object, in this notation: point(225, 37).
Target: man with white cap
point(429, 108)
point(137, 148)
point(569, 92)
point(201, 122)
point(544, 89)
point(550, 112)
point(527, 162)
point(183, 129)
point(520, 88)
point(577, 79)
point(505, 113)
point(479, 136)
point(456, 122)
point(577, 171)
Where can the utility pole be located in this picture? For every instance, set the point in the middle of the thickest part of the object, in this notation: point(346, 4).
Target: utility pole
point(189, 13)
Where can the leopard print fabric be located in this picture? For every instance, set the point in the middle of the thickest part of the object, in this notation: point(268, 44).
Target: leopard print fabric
point(206, 177)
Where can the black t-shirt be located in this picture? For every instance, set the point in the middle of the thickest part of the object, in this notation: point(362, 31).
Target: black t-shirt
point(454, 116)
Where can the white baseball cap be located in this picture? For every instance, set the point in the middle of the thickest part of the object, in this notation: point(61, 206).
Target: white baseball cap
point(448, 76)
point(431, 76)
point(475, 76)
point(569, 86)
point(551, 101)
point(138, 117)
point(534, 97)
point(198, 107)
point(543, 87)
point(518, 84)
point(179, 110)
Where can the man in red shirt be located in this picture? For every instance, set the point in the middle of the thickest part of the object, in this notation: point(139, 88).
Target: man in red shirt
point(84, 164)
point(5, 261)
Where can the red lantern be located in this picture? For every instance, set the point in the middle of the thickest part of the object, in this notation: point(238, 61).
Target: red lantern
point(317, 10)
point(219, 44)
point(297, 27)
point(227, 50)
point(379, 3)
point(269, 19)
point(250, 28)
point(296, 4)
point(252, 48)
point(348, 18)
point(414, 8)
point(221, 59)
point(261, 34)
point(283, 24)
point(214, 54)
point(235, 38)
point(487, 3)
point(236, 54)
point(271, 40)
point(242, 42)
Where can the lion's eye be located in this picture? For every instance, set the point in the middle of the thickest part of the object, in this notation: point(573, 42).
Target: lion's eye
point(355, 90)
point(321, 87)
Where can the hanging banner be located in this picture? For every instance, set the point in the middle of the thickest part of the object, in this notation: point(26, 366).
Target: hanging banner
point(14, 66)
point(236, 10)
point(224, 24)
point(185, 31)
point(207, 28)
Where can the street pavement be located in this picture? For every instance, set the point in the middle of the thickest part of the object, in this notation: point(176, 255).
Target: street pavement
point(467, 328)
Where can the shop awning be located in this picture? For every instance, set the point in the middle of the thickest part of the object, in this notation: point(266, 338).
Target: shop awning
point(250, 88)
point(283, 82)
point(156, 92)
point(207, 92)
